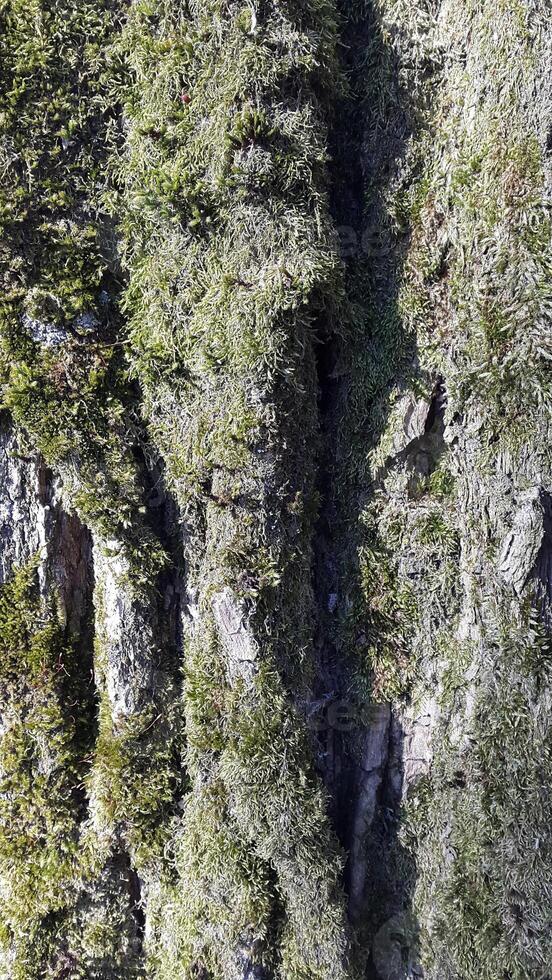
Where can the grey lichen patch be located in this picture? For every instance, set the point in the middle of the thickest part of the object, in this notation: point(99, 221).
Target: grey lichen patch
point(522, 542)
point(47, 334)
point(235, 637)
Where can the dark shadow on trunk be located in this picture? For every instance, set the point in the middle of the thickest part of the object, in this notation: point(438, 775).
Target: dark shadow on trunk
point(368, 353)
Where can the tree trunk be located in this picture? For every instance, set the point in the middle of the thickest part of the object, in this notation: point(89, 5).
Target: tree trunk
point(275, 490)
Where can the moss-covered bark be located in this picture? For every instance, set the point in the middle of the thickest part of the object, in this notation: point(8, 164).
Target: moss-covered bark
point(65, 383)
point(275, 529)
point(231, 273)
point(449, 406)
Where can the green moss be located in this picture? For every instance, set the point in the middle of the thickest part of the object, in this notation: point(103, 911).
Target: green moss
point(42, 761)
point(62, 368)
point(228, 245)
point(266, 763)
point(52, 126)
point(434, 531)
point(441, 482)
point(488, 918)
point(380, 625)
point(474, 289)
point(135, 776)
point(486, 182)
point(64, 378)
point(220, 914)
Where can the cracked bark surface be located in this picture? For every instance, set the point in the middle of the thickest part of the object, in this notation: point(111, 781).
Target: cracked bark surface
point(275, 490)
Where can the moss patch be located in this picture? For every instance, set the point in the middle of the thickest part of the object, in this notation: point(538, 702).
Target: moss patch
point(47, 712)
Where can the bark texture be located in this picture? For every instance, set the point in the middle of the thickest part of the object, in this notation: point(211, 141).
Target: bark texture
point(275, 490)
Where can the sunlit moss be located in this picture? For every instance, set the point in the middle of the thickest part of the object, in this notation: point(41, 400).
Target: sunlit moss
point(232, 269)
point(47, 731)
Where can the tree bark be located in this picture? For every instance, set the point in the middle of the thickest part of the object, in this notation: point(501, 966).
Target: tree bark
point(275, 490)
